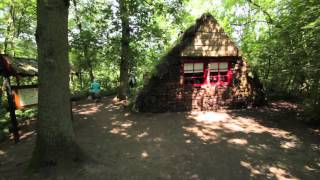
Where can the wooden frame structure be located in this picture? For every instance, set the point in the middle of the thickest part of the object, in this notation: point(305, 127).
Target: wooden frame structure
point(17, 68)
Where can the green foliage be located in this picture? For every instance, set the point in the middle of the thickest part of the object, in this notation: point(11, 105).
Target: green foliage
point(26, 113)
point(17, 27)
point(5, 124)
point(95, 31)
point(280, 39)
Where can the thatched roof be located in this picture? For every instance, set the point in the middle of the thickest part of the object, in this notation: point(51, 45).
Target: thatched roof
point(216, 42)
point(18, 66)
point(205, 38)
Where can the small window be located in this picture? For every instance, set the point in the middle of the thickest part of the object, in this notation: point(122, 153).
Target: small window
point(223, 66)
point(219, 72)
point(193, 73)
point(188, 68)
point(214, 67)
point(198, 67)
point(193, 67)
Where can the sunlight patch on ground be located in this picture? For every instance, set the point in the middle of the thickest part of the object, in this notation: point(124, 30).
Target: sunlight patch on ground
point(27, 134)
point(315, 131)
point(204, 134)
point(124, 124)
point(144, 155)
point(213, 125)
point(195, 177)
point(157, 139)
point(308, 168)
point(253, 170)
point(234, 127)
point(209, 117)
point(142, 135)
point(255, 148)
point(288, 145)
point(281, 174)
point(112, 107)
point(121, 127)
point(315, 147)
point(2, 153)
point(238, 141)
point(283, 105)
point(270, 171)
point(87, 109)
point(120, 131)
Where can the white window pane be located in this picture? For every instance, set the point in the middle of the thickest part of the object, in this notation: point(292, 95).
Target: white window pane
point(223, 66)
point(213, 67)
point(188, 68)
point(198, 67)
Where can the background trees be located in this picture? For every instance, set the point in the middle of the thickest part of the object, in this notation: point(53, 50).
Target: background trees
point(281, 41)
point(17, 27)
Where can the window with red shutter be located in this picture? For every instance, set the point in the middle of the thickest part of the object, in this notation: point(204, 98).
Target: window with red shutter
point(219, 73)
point(193, 73)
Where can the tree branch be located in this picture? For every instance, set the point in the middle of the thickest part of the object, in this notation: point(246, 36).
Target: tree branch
point(246, 23)
point(269, 18)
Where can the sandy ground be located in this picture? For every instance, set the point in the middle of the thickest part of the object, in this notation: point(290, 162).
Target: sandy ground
point(264, 143)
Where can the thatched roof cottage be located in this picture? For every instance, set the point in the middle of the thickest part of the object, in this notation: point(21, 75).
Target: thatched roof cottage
point(204, 71)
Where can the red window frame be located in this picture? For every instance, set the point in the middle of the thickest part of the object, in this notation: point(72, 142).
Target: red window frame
point(206, 74)
point(194, 71)
point(219, 77)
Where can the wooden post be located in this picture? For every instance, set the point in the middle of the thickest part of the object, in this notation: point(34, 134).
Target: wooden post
point(13, 117)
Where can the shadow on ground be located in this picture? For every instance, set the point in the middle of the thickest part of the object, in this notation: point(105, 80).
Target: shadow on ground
point(264, 143)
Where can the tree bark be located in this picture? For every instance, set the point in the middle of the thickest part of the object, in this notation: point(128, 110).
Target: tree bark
point(89, 64)
point(125, 50)
point(55, 143)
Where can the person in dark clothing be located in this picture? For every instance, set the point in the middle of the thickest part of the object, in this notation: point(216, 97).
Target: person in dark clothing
point(132, 80)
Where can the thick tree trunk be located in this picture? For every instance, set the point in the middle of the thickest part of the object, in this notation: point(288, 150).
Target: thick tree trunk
point(5, 46)
point(55, 144)
point(7, 39)
point(1, 90)
point(268, 69)
point(91, 73)
point(125, 50)
point(80, 79)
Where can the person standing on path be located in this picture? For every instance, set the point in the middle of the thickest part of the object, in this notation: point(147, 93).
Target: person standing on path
point(95, 91)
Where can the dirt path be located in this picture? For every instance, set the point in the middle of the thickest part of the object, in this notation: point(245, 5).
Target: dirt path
point(265, 143)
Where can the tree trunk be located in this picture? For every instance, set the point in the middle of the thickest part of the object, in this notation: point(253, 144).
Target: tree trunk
point(84, 45)
point(125, 50)
point(80, 79)
point(89, 64)
point(7, 36)
point(1, 90)
point(5, 46)
point(55, 143)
